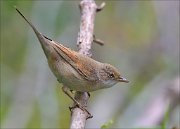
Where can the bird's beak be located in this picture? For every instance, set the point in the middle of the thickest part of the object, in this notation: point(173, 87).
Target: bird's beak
point(122, 79)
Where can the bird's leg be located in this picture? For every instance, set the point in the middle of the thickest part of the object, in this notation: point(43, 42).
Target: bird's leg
point(65, 90)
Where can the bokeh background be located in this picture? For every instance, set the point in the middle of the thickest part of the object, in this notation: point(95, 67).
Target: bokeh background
point(141, 39)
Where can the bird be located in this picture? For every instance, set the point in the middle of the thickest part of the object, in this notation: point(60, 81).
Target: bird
point(74, 70)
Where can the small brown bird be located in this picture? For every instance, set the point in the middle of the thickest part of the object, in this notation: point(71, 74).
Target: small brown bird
point(76, 71)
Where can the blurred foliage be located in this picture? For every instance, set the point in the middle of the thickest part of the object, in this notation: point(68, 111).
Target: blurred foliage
point(141, 39)
point(165, 120)
point(107, 124)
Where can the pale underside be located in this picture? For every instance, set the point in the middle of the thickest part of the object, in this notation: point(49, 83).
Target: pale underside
point(70, 78)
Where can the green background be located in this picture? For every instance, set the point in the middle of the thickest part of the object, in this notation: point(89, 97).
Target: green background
point(141, 40)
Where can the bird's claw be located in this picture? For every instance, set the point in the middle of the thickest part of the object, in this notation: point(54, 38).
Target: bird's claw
point(82, 108)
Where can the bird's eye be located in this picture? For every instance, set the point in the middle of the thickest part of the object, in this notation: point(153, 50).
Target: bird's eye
point(111, 75)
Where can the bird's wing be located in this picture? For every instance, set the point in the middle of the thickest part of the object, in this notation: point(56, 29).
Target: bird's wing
point(85, 66)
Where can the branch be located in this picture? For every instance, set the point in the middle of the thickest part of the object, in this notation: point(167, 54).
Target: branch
point(85, 36)
point(88, 9)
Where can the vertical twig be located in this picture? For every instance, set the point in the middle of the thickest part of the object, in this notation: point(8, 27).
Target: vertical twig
point(88, 9)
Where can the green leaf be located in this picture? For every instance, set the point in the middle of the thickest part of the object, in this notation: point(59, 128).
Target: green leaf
point(107, 124)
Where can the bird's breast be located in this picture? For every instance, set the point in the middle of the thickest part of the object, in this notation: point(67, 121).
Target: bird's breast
point(69, 76)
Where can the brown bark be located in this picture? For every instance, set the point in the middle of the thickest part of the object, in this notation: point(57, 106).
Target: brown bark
point(88, 9)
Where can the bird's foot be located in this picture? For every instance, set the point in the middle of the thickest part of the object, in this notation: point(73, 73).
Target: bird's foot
point(78, 105)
